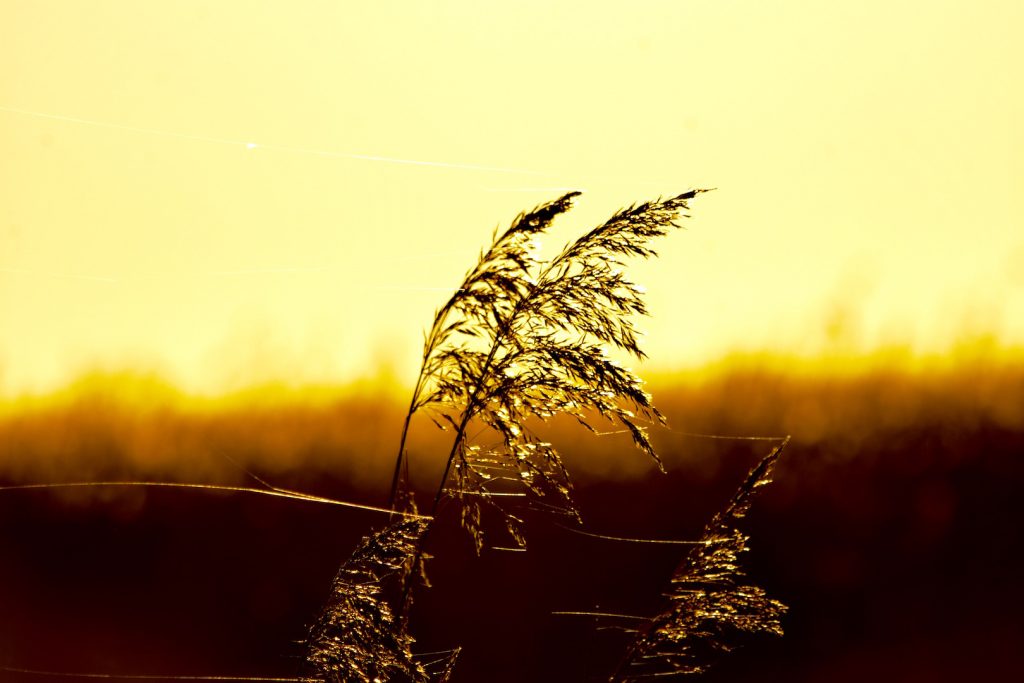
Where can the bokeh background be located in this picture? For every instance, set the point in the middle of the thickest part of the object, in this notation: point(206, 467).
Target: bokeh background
point(225, 225)
point(892, 530)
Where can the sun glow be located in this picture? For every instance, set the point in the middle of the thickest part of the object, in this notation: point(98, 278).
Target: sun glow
point(289, 219)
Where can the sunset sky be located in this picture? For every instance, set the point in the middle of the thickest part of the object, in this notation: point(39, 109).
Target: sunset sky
point(235, 192)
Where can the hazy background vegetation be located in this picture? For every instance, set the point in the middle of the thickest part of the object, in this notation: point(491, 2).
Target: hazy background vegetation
point(892, 530)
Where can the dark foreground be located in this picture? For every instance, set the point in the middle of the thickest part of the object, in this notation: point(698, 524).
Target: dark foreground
point(893, 532)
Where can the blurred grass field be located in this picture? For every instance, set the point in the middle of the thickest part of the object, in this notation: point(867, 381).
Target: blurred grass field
point(893, 529)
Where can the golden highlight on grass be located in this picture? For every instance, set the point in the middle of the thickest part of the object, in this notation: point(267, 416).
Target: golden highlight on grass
point(709, 610)
point(360, 636)
point(523, 339)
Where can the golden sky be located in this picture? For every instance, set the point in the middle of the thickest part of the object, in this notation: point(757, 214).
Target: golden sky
point(222, 192)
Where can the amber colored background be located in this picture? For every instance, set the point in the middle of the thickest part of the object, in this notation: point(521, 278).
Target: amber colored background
point(224, 226)
point(892, 530)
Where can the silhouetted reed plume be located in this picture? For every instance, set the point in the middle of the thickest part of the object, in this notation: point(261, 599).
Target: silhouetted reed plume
point(709, 610)
point(528, 338)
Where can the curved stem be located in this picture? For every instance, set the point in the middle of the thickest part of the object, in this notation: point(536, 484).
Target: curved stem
point(460, 434)
point(428, 348)
point(272, 491)
point(400, 458)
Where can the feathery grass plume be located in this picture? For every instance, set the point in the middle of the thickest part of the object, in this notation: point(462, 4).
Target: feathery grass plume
point(709, 610)
point(504, 267)
point(358, 637)
point(524, 337)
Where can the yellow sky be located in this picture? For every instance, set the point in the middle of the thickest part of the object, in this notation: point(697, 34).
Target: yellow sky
point(868, 160)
